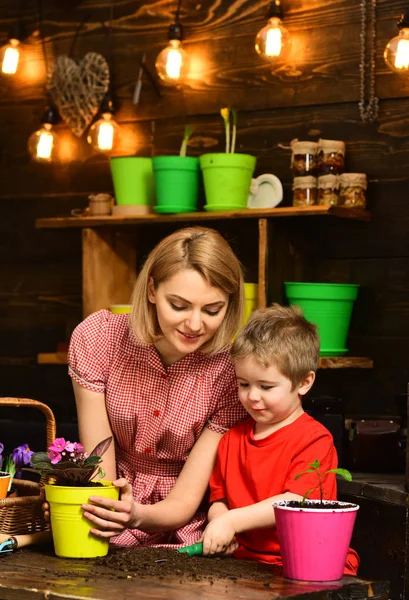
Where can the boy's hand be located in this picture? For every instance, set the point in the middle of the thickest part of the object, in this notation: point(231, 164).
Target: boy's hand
point(219, 536)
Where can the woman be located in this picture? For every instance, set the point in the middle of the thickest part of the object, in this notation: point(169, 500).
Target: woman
point(161, 382)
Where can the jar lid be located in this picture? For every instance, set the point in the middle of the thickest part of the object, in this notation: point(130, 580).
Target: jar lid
point(327, 182)
point(300, 147)
point(302, 183)
point(332, 146)
point(353, 179)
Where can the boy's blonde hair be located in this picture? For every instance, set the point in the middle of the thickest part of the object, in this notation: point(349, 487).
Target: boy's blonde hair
point(280, 336)
point(205, 251)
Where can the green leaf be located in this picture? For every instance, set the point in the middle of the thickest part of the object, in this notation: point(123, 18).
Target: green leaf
point(102, 447)
point(306, 495)
point(42, 465)
point(92, 460)
point(342, 472)
point(316, 464)
point(304, 472)
point(9, 466)
point(40, 457)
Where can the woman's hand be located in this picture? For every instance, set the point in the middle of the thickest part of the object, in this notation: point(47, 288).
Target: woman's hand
point(219, 535)
point(111, 517)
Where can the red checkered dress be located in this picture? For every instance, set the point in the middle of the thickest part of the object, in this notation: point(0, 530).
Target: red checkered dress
point(156, 414)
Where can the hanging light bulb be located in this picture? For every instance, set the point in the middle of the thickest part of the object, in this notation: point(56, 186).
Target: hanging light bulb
point(172, 63)
point(42, 144)
point(11, 52)
point(104, 132)
point(396, 53)
point(273, 41)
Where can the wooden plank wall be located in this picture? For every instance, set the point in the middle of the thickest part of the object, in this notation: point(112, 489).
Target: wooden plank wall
point(315, 94)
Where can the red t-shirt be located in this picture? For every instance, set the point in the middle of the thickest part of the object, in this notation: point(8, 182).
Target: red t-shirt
point(249, 471)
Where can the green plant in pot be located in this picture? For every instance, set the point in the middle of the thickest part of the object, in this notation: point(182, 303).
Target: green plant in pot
point(177, 180)
point(70, 473)
point(227, 175)
point(314, 535)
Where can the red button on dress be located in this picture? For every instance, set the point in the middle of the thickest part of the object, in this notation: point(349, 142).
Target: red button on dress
point(156, 412)
point(148, 450)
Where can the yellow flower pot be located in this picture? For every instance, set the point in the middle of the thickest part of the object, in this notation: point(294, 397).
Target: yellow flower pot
point(70, 529)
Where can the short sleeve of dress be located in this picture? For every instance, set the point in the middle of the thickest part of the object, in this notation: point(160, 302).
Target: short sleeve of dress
point(88, 352)
point(228, 409)
point(320, 448)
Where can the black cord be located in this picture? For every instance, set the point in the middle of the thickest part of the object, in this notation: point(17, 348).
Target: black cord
point(178, 11)
point(74, 41)
point(111, 18)
point(41, 29)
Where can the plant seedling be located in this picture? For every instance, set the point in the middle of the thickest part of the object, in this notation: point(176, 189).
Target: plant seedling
point(185, 141)
point(228, 114)
point(315, 468)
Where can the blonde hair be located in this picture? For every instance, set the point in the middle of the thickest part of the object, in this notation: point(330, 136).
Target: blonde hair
point(280, 336)
point(205, 251)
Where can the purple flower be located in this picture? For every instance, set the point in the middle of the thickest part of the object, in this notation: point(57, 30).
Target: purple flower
point(54, 457)
point(58, 445)
point(79, 448)
point(22, 455)
point(1, 448)
point(70, 446)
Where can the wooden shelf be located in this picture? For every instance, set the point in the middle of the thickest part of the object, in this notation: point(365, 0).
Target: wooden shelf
point(52, 358)
point(285, 211)
point(345, 362)
point(334, 362)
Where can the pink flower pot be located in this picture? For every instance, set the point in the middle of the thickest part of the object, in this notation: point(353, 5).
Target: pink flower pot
point(314, 542)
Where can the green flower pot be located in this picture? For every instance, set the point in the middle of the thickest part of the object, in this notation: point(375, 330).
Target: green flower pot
point(329, 306)
point(133, 181)
point(227, 179)
point(177, 183)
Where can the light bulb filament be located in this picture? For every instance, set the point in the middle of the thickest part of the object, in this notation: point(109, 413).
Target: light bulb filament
point(173, 64)
point(10, 60)
point(45, 145)
point(105, 136)
point(402, 55)
point(273, 42)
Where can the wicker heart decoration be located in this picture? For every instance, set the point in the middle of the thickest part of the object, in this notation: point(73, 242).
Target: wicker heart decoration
point(78, 89)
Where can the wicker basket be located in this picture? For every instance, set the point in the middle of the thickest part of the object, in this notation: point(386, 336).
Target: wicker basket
point(23, 514)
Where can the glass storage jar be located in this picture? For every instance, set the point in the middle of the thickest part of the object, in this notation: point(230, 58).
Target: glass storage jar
point(330, 157)
point(328, 189)
point(353, 190)
point(304, 191)
point(303, 158)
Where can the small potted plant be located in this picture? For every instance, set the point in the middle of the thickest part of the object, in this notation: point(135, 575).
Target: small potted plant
point(5, 478)
point(177, 180)
point(69, 473)
point(314, 535)
point(11, 467)
point(227, 175)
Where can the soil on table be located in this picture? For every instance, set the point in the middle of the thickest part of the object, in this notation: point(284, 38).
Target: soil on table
point(165, 562)
point(142, 563)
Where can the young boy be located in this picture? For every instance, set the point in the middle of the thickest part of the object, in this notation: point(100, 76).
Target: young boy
point(275, 356)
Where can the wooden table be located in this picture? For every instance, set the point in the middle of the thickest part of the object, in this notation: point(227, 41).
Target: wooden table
point(37, 574)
